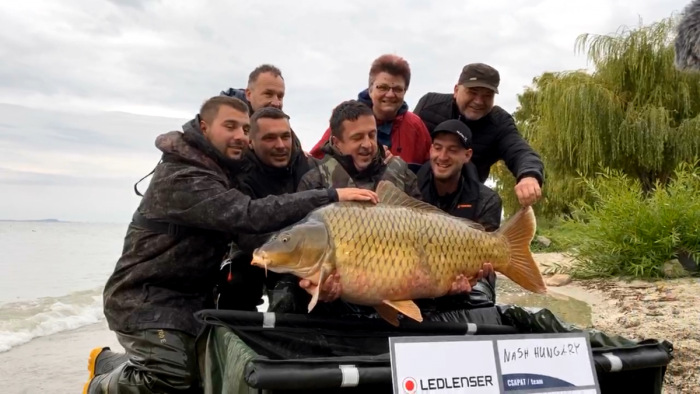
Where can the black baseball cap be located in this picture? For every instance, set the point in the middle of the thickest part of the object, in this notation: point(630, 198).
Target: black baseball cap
point(456, 127)
point(480, 75)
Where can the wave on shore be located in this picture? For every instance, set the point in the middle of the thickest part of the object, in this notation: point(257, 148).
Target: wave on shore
point(22, 321)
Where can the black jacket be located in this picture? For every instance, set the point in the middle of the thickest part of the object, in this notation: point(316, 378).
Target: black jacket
point(260, 180)
point(161, 280)
point(473, 200)
point(495, 137)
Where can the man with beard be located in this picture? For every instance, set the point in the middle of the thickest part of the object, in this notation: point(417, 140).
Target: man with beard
point(353, 158)
point(173, 248)
point(447, 182)
point(495, 135)
point(400, 132)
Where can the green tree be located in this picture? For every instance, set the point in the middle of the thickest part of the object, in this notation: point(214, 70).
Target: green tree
point(635, 113)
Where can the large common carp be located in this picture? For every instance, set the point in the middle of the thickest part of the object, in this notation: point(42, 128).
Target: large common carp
point(398, 250)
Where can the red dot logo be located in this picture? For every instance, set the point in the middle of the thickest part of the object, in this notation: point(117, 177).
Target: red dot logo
point(409, 385)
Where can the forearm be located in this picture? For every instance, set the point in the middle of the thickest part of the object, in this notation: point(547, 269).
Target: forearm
point(199, 201)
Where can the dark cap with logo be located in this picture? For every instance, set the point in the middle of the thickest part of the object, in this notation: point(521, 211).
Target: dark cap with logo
point(456, 127)
point(480, 75)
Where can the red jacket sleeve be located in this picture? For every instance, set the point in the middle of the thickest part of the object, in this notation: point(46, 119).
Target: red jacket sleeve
point(316, 150)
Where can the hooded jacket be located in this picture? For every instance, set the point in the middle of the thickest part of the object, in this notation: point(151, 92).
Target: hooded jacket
point(239, 94)
point(406, 135)
point(161, 280)
point(494, 137)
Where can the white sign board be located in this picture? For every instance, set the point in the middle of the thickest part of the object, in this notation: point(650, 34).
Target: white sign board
point(533, 363)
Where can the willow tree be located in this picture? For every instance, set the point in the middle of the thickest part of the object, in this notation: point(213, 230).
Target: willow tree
point(635, 113)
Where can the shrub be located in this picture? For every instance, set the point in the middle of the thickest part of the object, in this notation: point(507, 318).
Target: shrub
point(626, 232)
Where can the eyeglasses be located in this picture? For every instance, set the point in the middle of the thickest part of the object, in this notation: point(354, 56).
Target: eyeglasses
point(386, 88)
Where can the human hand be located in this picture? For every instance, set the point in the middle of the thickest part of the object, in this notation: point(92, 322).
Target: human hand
point(330, 290)
point(387, 154)
point(355, 194)
point(528, 191)
point(464, 285)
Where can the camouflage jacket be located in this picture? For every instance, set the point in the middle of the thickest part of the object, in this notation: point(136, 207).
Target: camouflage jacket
point(161, 279)
point(336, 170)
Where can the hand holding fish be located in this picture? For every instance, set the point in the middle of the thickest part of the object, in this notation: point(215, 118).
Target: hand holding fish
point(329, 292)
point(463, 285)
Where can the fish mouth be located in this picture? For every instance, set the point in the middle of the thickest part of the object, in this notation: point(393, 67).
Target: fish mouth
point(260, 259)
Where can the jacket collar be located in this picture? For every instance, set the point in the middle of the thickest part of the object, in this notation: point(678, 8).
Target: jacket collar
point(468, 188)
point(376, 165)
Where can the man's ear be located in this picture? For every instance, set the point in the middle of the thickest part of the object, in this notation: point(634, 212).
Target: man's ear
point(247, 94)
point(468, 154)
point(456, 90)
point(203, 126)
point(334, 140)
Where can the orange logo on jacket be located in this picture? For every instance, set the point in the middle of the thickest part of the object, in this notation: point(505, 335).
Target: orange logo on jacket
point(460, 206)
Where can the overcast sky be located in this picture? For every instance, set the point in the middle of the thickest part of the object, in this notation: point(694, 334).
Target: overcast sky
point(87, 85)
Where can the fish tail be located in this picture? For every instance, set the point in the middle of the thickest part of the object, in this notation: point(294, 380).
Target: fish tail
point(522, 268)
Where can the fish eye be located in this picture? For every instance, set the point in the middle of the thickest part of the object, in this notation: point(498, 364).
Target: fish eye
point(285, 239)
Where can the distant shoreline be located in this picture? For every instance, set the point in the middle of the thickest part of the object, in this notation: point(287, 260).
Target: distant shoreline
point(35, 220)
point(59, 221)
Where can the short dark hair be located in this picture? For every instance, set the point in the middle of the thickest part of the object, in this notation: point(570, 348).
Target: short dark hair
point(392, 64)
point(265, 113)
point(210, 108)
point(264, 68)
point(347, 110)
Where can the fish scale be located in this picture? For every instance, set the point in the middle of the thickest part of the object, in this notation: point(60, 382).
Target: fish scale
point(385, 246)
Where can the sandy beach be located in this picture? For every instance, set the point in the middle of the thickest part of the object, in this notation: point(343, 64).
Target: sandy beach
point(667, 310)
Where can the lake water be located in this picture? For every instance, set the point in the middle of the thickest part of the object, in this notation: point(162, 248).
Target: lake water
point(52, 276)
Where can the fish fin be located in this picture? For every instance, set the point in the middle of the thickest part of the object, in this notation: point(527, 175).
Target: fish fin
point(522, 268)
point(314, 298)
point(389, 194)
point(388, 313)
point(407, 308)
point(320, 276)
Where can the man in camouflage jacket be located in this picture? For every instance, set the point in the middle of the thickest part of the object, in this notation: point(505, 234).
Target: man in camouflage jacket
point(174, 246)
point(352, 158)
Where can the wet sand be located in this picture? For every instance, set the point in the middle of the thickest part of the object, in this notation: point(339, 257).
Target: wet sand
point(53, 364)
point(638, 310)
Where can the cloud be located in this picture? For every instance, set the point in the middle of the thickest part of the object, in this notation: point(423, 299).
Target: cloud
point(63, 62)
